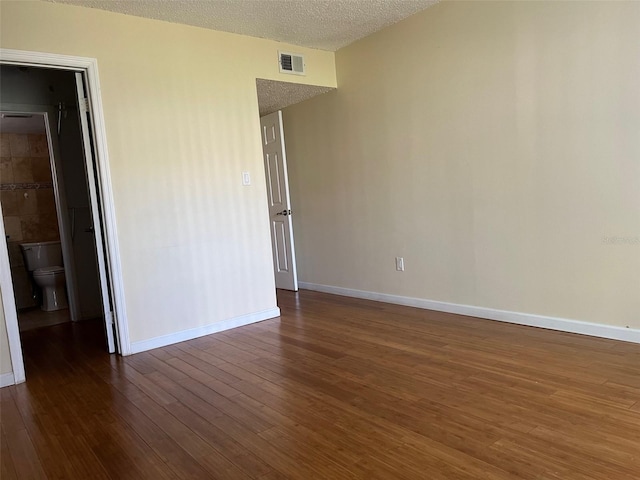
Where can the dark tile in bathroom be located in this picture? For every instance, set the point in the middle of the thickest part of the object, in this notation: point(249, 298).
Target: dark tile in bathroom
point(6, 170)
point(30, 226)
point(15, 254)
point(49, 227)
point(46, 201)
point(13, 228)
point(40, 169)
point(9, 200)
point(5, 147)
point(39, 228)
point(38, 145)
point(27, 202)
point(21, 169)
point(19, 144)
point(22, 287)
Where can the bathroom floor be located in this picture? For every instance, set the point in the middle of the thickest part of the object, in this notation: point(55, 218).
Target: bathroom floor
point(36, 318)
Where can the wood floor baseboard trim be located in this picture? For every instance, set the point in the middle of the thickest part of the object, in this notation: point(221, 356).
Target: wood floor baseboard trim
point(529, 319)
point(7, 379)
point(184, 335)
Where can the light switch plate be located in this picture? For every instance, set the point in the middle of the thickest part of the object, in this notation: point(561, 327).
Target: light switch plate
point(246, 178)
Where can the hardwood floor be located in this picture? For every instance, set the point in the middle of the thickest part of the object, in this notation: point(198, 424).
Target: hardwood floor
point(337, 388)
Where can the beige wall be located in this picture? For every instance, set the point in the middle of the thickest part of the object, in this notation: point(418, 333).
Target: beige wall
point(495, 146)
point(182, 123)
point(5, 355)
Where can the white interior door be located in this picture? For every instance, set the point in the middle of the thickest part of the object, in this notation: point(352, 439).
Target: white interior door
point(275, 167)
point(96, 215)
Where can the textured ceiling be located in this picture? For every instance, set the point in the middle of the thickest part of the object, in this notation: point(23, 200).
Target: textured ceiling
point(273, 96)
point(323, 24)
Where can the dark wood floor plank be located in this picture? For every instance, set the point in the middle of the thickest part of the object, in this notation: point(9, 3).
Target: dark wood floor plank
point(23, 457)
point(45, 432)
point(7, 468)
point(219, 440)
point(335, 388)
point(171, 452)
point(167, 375)
point(210, 459)
point(378, 426)
point(144, 415)
point(200, 374)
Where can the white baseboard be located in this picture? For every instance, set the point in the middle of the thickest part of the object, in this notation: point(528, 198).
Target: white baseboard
point(529, 319)
point(184, 335)
point(7, 379)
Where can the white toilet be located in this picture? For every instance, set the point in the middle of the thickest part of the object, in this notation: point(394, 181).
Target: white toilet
point(44, 262)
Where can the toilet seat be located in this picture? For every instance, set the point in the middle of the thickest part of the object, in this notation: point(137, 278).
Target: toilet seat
point(40, 272)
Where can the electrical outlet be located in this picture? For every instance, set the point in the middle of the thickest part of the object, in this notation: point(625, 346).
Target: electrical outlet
point(400, 264)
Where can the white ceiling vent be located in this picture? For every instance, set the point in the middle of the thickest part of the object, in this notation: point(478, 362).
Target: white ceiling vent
point(291, 63)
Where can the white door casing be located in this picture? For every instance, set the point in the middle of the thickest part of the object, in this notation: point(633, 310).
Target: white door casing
point(279, 202)
point(9, 306)
point(83, 111)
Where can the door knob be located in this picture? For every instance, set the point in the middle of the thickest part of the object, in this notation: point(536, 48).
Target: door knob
point(284, 213)
point(89, 230)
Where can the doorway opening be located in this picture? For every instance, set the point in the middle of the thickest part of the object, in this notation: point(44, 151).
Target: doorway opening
point(279, 202)
point(60, 261)
point(31, 208)
point(273, 96)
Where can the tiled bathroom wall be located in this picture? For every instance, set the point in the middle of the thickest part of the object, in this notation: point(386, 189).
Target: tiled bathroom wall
point(28, 202)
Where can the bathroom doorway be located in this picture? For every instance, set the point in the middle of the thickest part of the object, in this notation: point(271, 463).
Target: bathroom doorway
point(75, 204)
point(46, 201)
point(30, 210)
point(273, 96)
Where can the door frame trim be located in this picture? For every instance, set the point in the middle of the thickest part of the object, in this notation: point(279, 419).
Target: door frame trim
point(10, 312)
point(90, 68)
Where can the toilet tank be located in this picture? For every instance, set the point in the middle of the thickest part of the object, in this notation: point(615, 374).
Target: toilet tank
point(42, 254)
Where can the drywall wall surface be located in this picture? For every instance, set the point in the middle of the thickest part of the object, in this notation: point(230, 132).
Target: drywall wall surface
point(181, 118)
point(492, 145)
